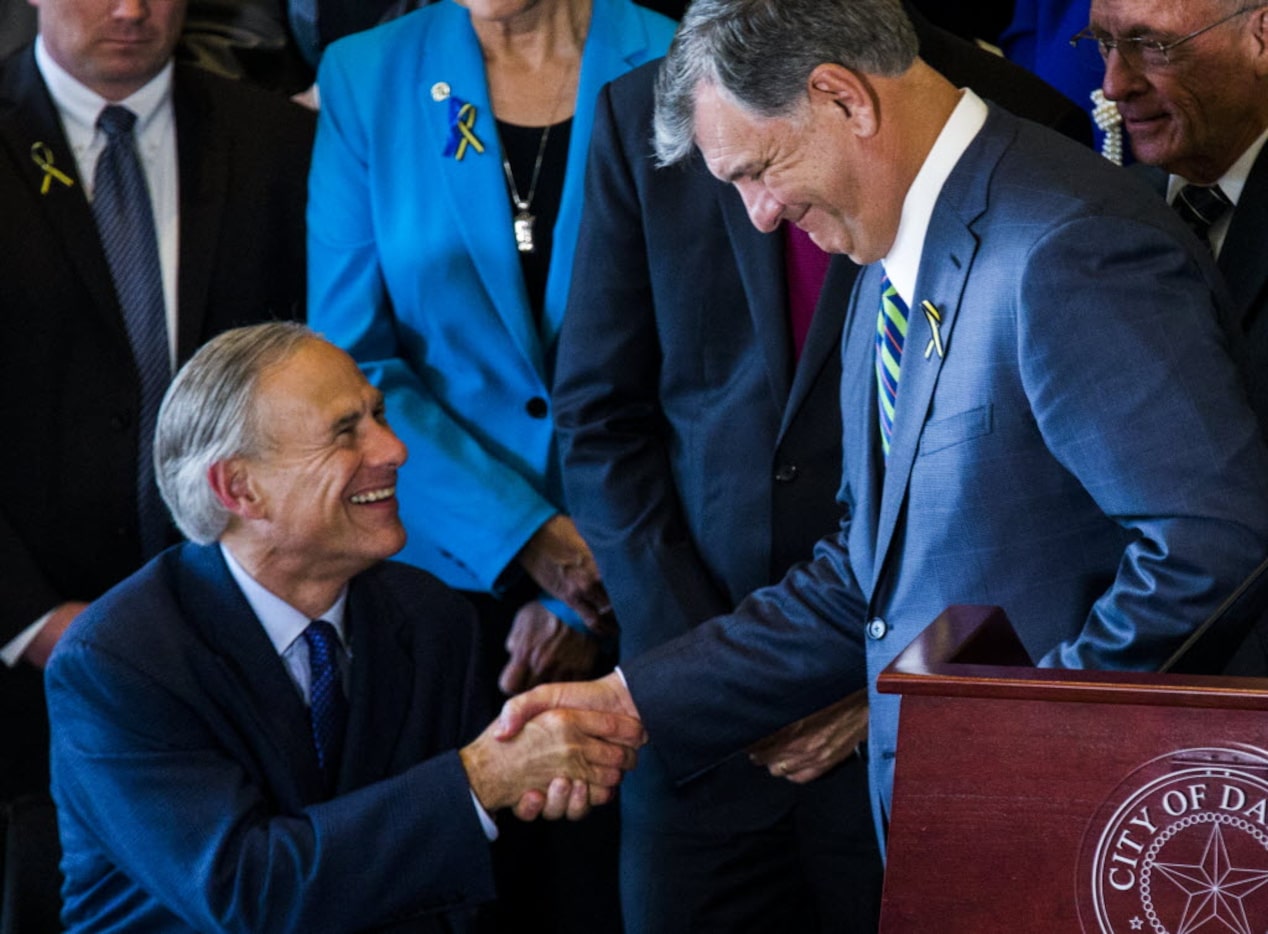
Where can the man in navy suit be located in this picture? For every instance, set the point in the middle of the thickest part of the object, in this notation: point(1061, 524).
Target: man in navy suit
point(269, 728)
point(691, 505)
point(1188, 79)
point(1039, 408)
point(226, 169)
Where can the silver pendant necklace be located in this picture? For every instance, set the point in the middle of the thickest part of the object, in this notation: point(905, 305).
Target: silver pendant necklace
point(522, 224)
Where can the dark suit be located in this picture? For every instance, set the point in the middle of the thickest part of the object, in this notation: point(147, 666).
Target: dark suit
point(1244, 265)
point(187, 789)
point(701, 462)
point(69, 393)
point(1081, 456)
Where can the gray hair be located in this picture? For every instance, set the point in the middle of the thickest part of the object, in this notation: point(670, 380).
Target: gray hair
point(208, 415)
point(761, 53)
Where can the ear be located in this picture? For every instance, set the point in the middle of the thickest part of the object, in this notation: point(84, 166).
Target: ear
point(234, 486)
point(1259, 35)
point(835, 85)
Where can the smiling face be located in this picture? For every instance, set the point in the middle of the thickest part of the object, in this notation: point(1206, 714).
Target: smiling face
point(1196, 114)
point(320, 497)
point(810, 169)
point(112, 46)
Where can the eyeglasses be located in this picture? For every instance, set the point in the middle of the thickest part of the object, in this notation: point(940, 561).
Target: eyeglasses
point(1139, 52)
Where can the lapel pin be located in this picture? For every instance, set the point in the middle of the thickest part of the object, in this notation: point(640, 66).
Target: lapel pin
point(42, 156)
point(462, 118)
point(934, 317)
point(440, 91)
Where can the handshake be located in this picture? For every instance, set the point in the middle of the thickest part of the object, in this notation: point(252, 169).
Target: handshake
point(557, 750)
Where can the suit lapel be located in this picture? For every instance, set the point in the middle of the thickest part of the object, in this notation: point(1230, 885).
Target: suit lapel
point(29, 117)
point(224, 618)
point(474, 186)
point(950, 248)
point(381, 686)
point(203, 167)
point(1242, 257)
point(760, 259)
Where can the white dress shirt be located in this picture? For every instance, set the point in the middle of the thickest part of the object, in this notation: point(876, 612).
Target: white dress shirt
point(902, 264)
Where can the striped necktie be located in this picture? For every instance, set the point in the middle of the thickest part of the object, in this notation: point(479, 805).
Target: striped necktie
point(327, 706)
point(891, 334)
point(1201, 207)
point(125, 223)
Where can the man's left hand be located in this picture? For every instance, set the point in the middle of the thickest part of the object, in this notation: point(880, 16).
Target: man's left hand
point(804, 750)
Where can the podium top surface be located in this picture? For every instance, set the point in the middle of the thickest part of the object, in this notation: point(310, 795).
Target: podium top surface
point(972, 651)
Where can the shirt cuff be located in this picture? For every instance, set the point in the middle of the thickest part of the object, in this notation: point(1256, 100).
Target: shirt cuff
point(11, 654)
point(486, 822)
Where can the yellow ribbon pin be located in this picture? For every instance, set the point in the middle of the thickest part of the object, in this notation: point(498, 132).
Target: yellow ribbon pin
point(463, 115)
point(934, 317)
point(42, 156)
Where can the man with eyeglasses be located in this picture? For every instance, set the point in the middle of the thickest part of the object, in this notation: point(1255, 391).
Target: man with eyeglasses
point(1190, 78)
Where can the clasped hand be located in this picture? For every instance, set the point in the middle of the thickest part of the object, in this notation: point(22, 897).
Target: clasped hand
point(600, 717)
point(557, 763)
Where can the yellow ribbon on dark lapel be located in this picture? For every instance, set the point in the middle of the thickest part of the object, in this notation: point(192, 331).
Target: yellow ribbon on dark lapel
point(42, 156)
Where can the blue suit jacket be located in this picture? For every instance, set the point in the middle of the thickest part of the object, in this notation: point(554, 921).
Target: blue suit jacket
point(1082, 456)
point(413, 270)
point(187, 789)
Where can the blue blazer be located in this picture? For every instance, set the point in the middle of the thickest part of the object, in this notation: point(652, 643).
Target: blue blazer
point(413, 270)
point(187, 790)
point(1083, 456)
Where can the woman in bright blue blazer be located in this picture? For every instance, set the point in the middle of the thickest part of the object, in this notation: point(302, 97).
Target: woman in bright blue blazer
point(414, 268)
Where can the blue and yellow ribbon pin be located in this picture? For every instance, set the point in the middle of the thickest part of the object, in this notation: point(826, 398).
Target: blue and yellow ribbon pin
point(42, 156)
point(462, 117)
point(934, 317)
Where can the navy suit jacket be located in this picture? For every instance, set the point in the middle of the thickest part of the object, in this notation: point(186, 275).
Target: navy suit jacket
point(187, 789)
point(1083, 456)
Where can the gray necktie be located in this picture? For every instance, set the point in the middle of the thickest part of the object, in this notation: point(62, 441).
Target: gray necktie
point(125, 222)
point(1201, 207)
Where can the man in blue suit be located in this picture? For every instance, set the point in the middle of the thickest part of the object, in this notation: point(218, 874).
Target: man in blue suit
point(272, 728)
point(1039, 408)
point(688, 507)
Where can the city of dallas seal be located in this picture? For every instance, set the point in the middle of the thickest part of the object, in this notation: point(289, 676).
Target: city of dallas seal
point(1181, 847)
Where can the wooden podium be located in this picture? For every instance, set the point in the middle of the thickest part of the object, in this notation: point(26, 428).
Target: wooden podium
point(1035, 800)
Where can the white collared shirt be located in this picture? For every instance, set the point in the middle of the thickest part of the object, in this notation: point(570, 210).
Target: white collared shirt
point(902, 264)
point(285, 625)
point(79, 106)
point(1231, 183)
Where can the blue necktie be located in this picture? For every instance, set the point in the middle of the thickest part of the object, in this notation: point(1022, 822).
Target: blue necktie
point(328, 708)
point(125, 222)
point(891, 334)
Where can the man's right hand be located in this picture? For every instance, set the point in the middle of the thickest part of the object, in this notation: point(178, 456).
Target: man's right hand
point(559, 763)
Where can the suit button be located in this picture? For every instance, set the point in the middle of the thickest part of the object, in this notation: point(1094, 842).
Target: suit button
point(536, 407)
point(877, 628)
point(786, 473)
point(120, 421)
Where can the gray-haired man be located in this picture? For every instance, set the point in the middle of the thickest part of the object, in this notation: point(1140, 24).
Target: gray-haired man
point(272, 728)
point(1039, 410)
